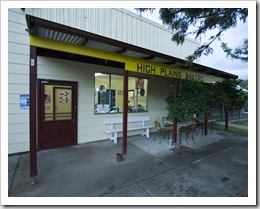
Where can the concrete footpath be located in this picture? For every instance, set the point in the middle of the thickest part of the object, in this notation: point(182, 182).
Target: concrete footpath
point(215, 166)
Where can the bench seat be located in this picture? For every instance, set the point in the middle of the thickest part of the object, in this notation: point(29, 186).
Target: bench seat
point(114, 130)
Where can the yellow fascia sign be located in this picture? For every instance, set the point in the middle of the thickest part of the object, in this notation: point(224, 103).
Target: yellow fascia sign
point(131, 64)
point(153, 68)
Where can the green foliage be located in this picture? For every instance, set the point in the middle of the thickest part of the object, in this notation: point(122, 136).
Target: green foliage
point(180, 20)
point(244, 84)
point(240, 53)
point(196, 97)
point(229, 94)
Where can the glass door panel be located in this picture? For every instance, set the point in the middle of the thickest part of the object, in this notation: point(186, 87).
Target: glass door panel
point(58, 103)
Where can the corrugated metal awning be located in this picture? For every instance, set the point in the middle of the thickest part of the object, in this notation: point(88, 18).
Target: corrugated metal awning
point(58, 32)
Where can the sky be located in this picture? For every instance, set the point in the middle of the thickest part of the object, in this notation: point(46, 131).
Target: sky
point(218, 60)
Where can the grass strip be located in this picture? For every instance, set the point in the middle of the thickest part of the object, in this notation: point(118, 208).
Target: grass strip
point(237, 131)
point(242, 123)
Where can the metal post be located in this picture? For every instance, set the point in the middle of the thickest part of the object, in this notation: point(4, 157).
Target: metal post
point(125, 112)
point(222, 112)
point(33, 120)
point(206, 124)
point(226, 118)
point(174, 127)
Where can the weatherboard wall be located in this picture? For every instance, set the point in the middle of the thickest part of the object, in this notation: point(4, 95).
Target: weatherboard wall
point(18, 81)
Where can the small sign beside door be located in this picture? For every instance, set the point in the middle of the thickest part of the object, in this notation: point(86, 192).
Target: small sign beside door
point(24, 101)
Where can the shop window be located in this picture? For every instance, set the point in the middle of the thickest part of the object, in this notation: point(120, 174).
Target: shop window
point(109, 94)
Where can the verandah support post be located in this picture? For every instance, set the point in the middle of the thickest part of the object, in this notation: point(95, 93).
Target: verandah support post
point(206, 124)
point(175, 95)
point(226, 118)
point(125, 112)
point(32, 91)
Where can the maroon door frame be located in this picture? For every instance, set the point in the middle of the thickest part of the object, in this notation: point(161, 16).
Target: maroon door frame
point(55, 127)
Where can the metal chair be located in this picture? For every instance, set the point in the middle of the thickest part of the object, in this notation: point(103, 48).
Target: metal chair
point(200, 125)
point(166, 125)
point(188, 129)
point(161, 131)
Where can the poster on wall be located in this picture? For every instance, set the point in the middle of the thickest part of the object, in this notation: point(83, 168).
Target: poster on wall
point(64, 97)
point(47, 98)
point(139, 83)
point(24, 101)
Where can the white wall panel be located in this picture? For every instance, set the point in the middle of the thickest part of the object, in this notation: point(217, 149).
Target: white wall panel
point(18, 88)
point(18, 128)
point(16, 118)
point(13, 99)
point(18, 38)
point(17, 27)
point(18, 48)
point(119, 24)
point(19, 137)
point(18, 68)
point(17, 147)
point(18, 58)
point(18, 81)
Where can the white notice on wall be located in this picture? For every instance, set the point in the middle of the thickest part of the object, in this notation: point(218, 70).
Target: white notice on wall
point(106, 107)
point(99, 108)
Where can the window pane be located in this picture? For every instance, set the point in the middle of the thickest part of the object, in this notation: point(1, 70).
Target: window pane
point(101, 93)
point(48, 102)
point(116, 93)
point(137, 94)
point(63, 103)
point(58, 103)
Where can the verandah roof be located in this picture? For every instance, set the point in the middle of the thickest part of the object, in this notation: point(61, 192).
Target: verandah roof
point(52, 31)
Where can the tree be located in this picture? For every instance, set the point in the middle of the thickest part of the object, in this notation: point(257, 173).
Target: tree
point(181, 20)
point(198, 98)
point(243, 84)
point(194, 97)
point(230, 95)
point(240, 53)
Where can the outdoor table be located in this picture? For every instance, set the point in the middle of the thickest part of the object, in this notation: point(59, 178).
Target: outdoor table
point(185, 124)
point(182, 125)
point(211, 122)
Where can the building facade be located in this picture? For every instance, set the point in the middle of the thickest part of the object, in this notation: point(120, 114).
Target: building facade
point(79, 57)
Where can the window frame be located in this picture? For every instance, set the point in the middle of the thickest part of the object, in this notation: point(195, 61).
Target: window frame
point(136, 92)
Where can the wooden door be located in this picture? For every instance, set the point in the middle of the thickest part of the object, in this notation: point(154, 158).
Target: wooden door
point(57, 114)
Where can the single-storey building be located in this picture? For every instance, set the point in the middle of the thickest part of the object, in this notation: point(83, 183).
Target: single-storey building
point(69, 69)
